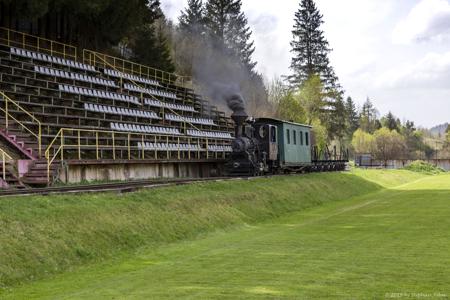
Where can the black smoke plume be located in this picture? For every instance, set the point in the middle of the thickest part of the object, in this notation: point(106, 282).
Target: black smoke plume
point(229, 94)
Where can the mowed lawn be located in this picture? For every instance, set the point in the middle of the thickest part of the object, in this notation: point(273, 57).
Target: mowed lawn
point(392, 244)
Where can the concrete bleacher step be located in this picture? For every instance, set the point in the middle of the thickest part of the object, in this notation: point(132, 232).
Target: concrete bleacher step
point(11, 180)
point(37, 174)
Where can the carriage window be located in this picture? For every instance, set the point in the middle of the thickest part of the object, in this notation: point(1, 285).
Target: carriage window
point(294, 135)
point(288, 135)
point(301, 138)
point(273, 134)
point(306, 138)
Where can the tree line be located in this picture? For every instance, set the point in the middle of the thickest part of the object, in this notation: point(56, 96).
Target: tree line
point(103, 25)
point(312, 94)
point(212, 43)
point(389, 138)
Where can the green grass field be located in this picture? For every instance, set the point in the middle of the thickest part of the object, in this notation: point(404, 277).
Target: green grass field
point(360, 235)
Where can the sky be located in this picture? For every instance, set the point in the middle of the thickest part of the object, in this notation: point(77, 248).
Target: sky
point(396, 52)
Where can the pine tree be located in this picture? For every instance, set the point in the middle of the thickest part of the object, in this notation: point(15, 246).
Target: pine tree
point(191, 20)
point(368, 118)
point(352, 116)
point(310, 48)
point(190, 44)
point(337, 125)
point(149, 43)
point(228, 27)
point(390, 122)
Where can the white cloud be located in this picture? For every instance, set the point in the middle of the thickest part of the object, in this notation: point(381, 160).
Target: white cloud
point(431, 72)
point(428, 20)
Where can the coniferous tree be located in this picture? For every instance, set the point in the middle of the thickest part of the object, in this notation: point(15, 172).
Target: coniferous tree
point(310, 48)
point(191, 20)
point(352, 116)
point(150, 46)
point(337, 125)
point(368, 117)
point(228, 27)
point(225, 54)
point(92, 24)
point(190, 42)
point(390, 122)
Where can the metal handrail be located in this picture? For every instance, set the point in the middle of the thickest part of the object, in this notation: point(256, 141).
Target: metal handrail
point(130, 67)
point(8, 115)
point(62, 133)
point(5, 156)
point(40, 44)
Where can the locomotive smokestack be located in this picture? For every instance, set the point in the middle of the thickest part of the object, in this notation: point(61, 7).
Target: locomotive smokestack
point(239, 117)
point(236, 103)
point(230, 94)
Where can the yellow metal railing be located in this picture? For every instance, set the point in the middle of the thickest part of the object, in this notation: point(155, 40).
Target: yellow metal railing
point(126, 66)
point(64, 140)
point(10, 104)
point(13, 38)
point(23, 40)
point(5, 158)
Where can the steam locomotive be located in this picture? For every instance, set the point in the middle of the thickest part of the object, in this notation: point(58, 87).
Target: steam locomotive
point(271, 146)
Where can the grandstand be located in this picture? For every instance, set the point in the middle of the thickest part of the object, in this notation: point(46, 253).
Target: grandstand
point(71, 117)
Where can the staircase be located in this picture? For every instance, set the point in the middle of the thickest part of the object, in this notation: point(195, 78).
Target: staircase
point(25, 146)
point(25, 143)
point(37, 174)
point(11, 181)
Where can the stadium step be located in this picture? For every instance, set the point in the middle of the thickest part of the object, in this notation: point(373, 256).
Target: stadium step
point(22, 142)
point(37, 174)
point(11, 181)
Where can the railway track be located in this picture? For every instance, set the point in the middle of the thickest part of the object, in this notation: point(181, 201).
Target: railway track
point(124, 187)
point(121, 187)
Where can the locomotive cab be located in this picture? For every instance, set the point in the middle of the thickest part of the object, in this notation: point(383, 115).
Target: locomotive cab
point(255, 148)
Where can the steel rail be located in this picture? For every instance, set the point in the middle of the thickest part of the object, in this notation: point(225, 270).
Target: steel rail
point(115, 186)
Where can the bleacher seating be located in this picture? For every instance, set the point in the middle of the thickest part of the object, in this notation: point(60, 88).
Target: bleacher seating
point(170, 147)
point(97, 93)
point(52, 59)
point(154, 92)
point(179, 107)
point(209, 134)
point(178, 118)
point(219, 148)
point(121, 111)
point(145, 129)
point(74, 76)
point(63, 93)
point(135, 78)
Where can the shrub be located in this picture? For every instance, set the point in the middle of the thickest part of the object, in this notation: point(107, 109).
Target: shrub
point(423, 167)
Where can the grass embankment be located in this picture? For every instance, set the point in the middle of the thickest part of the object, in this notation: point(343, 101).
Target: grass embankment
point(388, 243)
point(43, 235)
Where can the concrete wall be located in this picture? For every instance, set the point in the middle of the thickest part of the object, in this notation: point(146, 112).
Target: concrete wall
point(75, 173)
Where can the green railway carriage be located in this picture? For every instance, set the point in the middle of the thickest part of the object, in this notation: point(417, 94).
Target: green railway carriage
point(294, 142)
point(272, 146)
